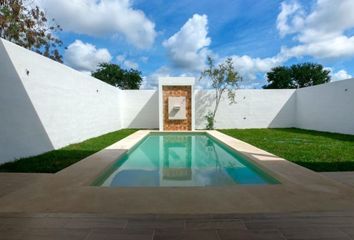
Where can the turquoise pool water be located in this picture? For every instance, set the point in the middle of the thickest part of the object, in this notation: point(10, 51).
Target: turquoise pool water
point(181, 160)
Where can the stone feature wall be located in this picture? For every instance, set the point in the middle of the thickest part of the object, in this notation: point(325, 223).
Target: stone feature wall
point(177, 91)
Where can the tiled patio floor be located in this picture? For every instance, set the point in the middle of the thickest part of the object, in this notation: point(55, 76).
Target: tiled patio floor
point(325, 225)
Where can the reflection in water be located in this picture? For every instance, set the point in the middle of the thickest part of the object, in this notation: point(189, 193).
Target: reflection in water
point(182, 160)
point(177, 159)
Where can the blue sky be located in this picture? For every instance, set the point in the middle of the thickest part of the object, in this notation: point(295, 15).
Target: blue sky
point(173, 38)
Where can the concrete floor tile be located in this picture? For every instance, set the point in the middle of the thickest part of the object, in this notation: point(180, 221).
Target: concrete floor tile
point(107, 234)
point(186, 235)
point(75, 223)
point(29, 223)
point(156, 224)
point(11, 233)
point(313, 233)
point(215, 224)
point(348, 231)
point(53, 234)
point(226, 234)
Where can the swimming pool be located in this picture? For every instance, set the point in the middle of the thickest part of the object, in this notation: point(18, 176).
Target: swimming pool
point(181, 160)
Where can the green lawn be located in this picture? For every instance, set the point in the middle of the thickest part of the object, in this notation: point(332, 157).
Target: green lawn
point(57, 160)
point(319, 151)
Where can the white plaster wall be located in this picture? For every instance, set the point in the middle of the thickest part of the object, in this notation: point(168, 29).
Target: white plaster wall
point(139, 108)
point(328, 107)
point(254, 108)
point(52, 106)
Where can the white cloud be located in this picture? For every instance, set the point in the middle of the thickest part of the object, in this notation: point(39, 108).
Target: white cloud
point(102, 18)
point(322, 32)
point(127, 63)
point(289, 11)
point(187, 48)
point(144, 59)
point(151, 81)
point(130, 64)
point(249, 67)
point(341, 75)
point(85, 57)
point(337, 47)
point(318, 34)
point(120, 58)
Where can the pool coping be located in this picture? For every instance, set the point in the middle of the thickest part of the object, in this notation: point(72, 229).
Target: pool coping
point(265, 173)
point(287, 173)
point(98, 163)
point(69, 190)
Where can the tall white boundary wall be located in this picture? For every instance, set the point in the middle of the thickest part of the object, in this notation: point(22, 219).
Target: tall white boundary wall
point(327, 107)
point(252, 109)
point(139, 109)
point(45, 105)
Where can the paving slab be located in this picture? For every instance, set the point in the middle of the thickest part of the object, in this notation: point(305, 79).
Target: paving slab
point(343, 177)
point(143, 226)
point(10, 182)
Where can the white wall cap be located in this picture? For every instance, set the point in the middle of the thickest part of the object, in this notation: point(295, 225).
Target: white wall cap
point(176, 81)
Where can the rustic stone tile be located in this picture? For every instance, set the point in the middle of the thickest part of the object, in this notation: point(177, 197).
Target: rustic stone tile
point(177, 91)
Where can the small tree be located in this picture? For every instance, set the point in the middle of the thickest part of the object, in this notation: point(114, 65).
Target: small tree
point(297, 76)
point(224, 78)
point(114, 75)
point(29, 28)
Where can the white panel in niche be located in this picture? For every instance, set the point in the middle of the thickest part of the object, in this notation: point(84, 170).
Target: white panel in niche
point(177, 108)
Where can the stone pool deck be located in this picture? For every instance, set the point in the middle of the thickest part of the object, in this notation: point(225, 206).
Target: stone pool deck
point(69, 190)
point(65, 205)
point(343, 177)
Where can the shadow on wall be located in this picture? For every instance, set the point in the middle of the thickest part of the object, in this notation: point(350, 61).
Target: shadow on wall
point(148, 115)
point(286, 116)
point(204, 103)
point(22, 132)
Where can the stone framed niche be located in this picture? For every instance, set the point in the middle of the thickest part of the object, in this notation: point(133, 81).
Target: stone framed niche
point(176, 104)
point(177, 108)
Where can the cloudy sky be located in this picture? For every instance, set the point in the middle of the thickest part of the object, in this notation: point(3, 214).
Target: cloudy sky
point(173, 38)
